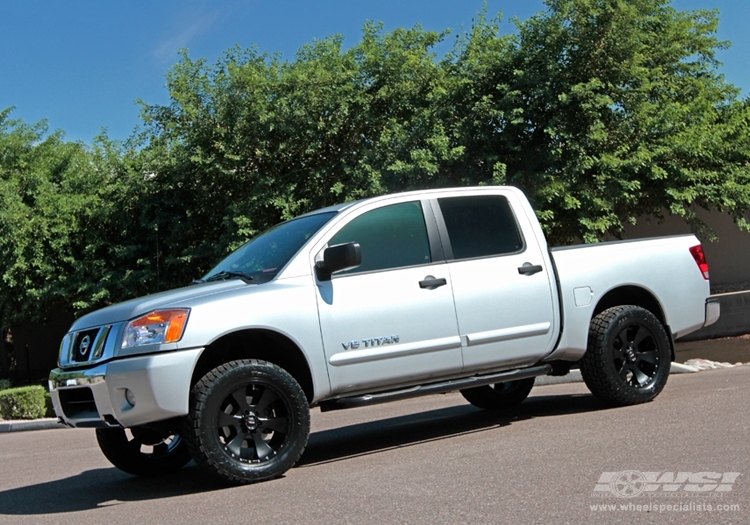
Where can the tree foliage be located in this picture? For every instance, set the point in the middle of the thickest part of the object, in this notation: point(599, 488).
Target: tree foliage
point(64, 225)
point(622, 114)
point(603, 111)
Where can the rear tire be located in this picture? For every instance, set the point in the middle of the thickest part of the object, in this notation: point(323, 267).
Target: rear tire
point(249, 421)
point(142, 451)
point(499, 396)
point(628, 357)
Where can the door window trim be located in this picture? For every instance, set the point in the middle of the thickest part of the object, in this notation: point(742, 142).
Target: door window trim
point(434, 238)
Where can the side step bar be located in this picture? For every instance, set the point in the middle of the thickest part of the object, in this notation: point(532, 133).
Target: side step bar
point(434, 388)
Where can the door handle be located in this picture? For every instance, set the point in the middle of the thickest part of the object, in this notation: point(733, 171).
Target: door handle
point(529, 269)
point(431, 282)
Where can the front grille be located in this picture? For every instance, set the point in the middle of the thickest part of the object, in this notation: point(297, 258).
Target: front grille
point(83, 345)
point(86, 346)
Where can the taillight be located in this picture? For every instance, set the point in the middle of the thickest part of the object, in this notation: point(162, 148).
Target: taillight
point(700, 260)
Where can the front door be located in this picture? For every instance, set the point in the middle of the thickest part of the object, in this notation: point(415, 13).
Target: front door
point(392, 319)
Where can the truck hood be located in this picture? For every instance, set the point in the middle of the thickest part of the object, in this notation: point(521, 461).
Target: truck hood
point(180, 297)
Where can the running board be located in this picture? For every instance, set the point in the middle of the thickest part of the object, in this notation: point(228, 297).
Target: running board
point(434, 388)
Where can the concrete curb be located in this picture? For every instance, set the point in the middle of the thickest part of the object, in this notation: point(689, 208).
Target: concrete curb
point(680, 368)
point(34, 424)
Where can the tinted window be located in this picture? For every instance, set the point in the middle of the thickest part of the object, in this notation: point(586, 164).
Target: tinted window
point(390, 237)
point(480, 226)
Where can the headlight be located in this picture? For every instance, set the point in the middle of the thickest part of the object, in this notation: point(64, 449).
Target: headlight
point(161, 326)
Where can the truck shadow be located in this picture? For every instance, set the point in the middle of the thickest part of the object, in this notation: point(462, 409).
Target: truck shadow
point(105, 487)
point(101, 488)
point(362, 439)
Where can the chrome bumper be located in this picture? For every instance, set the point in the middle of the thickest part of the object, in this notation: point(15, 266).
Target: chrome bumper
point(96, 397)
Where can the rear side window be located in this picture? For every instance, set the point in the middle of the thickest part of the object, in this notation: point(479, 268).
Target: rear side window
point(480, 226)
point(390, 237)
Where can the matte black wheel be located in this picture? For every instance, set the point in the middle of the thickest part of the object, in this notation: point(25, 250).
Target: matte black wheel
point(143, 451)
point(249, 421)
point(628, 357)
point(500, 395)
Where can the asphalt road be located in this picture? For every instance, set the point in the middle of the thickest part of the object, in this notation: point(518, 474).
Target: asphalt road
point(433, 460)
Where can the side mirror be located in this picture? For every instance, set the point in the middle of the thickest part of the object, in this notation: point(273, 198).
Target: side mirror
point(338, 257)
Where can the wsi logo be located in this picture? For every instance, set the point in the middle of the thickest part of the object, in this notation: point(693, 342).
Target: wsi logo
point(631, 483)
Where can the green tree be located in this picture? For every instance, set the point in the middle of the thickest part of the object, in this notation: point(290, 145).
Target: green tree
point(35, 225)
point(65, 228)
point(605, 111)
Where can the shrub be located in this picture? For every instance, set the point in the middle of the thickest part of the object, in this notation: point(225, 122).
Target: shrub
point(27, 402)
point(48, 405)
point(4, 384)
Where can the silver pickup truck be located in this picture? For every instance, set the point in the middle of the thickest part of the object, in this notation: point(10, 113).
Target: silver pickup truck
point(366, 302)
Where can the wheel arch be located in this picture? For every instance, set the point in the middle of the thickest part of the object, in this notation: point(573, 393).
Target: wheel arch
point(637, 296)
point(263, 344)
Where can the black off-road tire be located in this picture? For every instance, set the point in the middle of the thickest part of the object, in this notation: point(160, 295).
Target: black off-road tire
point(499, 396)
point(249, 421)
point(142, 451)
point(628, 356)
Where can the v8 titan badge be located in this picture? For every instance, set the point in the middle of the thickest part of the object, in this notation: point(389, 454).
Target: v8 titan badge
point(367, 343)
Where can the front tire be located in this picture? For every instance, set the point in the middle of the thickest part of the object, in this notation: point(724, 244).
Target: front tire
point(249, 421)
point(143, 451)
point(499, 396)
point(628, 356)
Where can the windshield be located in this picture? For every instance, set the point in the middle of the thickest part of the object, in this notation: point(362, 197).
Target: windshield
point(261, 258)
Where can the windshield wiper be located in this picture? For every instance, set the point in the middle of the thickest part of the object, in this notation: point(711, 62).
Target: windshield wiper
point(226, 274)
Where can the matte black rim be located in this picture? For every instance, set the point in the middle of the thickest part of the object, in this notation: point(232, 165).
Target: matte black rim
point(253, 423)
point(636, 355)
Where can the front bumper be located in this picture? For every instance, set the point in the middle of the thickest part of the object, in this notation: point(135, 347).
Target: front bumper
point(95, 397)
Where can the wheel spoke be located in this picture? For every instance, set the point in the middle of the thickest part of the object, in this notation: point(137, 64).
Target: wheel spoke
point(623, 372)
point(240, 397)
point(228, 420)
point(267, 397)
point(623, 337)
point(278, 424)
point(641, 378)
point(235, 446)
point(649, 357)
point(641, 335)
point(261, 447)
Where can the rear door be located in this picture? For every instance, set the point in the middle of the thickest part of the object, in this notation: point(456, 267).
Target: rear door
point(391, 320)
point(501, 282)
